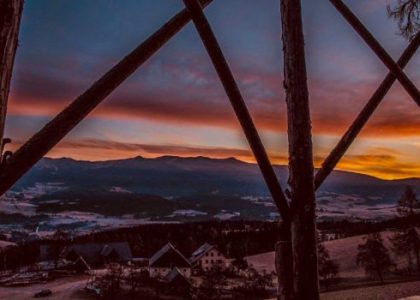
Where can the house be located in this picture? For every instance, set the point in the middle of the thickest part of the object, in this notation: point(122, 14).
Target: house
point(98, 253)
point(207, 257)
point(79, 265)
point(176, 282)
point(165, 260)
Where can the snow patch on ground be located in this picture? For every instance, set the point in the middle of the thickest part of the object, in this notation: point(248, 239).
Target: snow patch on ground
point(353, 207)
point(117, 189)
point(223, 215)
point(187, 213)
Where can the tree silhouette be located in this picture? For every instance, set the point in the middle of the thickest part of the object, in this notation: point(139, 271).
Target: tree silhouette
point(212, 285)
point(374, 257)
point(328, 269)
point(408, 203)
point(407, 240)
point(407, 14)
point(111, 282)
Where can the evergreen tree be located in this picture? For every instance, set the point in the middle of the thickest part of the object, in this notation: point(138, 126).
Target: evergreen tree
point(327, 268)
point(404, 243)
point(408, 203)
point(374, 257)
point(407, 240)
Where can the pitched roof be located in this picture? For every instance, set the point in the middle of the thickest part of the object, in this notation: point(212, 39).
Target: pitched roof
point(107, 250)
point(93, 252)
point(175, 275)
point(81, 262)
point(168, 256)
point(200, 252)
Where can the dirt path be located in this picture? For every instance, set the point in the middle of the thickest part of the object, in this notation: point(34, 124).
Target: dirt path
point(64, 288)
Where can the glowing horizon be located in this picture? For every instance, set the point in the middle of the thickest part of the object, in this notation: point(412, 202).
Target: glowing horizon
point(175, 104)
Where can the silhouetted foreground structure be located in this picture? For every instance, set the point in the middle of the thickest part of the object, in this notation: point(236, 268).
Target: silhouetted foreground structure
point(10, 15)
point(301, 182)
point(296, 251)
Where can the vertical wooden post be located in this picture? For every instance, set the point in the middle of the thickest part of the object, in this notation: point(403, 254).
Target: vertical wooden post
point(284, 262)
point(301, 168)
point(283, 256)
point(10, 15)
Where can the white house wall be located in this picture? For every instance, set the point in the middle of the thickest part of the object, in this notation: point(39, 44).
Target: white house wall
point(163, 272)
point(212, 259)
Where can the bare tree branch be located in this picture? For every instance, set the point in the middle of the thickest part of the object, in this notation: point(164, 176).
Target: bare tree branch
point(407, 14)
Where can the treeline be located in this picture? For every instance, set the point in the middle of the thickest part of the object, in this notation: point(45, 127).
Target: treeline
point(349, 228)
point(234, 238)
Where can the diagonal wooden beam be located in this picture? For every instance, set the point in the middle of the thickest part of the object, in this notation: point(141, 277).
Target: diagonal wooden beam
point(340, 149)
point(378, 49)
point(45, 139)
point(238, 104)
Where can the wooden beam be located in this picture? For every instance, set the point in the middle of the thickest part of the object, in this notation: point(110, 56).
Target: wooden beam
point(10, 16)
point(340, 149)
point(378, 49)
point(238, 104)
point(283, 260)
point(45, 139)
point(301, 179)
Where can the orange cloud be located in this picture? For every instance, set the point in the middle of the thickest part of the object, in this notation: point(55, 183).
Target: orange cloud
point(379, 162)
point(93, 149)
point(334, 105)
point(386, 166)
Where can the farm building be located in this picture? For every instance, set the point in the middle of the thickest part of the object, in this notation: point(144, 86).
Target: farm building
point(166, 259)
point(208, 257)
point(97, 253)
point(176, 282)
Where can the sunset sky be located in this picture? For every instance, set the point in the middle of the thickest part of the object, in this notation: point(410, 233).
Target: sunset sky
point(175, 104)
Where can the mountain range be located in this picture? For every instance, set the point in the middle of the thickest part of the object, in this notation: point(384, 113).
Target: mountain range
point(172, 176)
point(177, 188)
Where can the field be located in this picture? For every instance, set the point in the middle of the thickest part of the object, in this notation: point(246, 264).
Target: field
point(69, 288)
point(342, 251)
point(405, 290)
